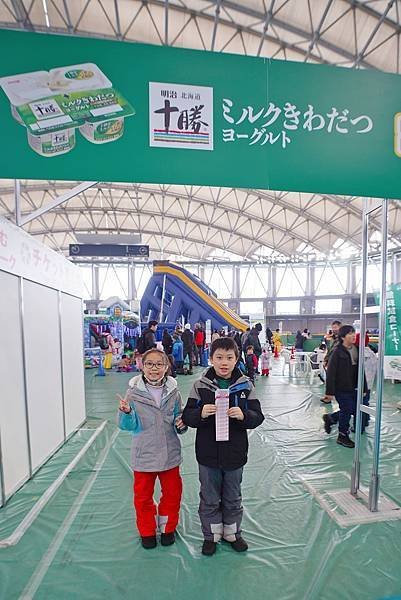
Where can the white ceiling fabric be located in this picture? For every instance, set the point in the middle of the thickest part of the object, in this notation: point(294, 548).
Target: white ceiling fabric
point(202, 222)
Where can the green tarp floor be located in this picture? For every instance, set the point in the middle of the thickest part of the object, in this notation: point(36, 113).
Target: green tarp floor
point(84, 544)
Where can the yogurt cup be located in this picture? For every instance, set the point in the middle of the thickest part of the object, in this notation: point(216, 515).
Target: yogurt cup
point(85, 76)
point(54, 143)
point(22, 89)
point(103, 131)
point(51, 105)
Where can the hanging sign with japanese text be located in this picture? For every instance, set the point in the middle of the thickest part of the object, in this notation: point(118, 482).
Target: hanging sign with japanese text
point(23, 255)
point(392, 349)
point(76, 109)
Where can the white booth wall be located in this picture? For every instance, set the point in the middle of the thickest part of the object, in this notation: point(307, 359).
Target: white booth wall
point(42, 399)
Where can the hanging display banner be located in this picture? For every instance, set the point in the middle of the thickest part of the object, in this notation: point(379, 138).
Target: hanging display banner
point(85, 109)
point(392, 350)
point(23, 255)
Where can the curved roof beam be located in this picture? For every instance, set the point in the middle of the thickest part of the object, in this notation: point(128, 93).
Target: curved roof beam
point(277, 199)
point(201, 200)
point(258, 16)
point(368, 10)
point(150, 213)
point(144, 231)
point(302, 213)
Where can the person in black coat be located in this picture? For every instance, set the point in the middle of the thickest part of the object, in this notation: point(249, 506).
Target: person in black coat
point(253, 340)
point(149, 336)
point(167, 342)
point(188, 340)
point(299, 341)
point(342, 384)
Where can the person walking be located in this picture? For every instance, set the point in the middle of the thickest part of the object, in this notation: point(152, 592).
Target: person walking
point(342, 383)
point(188, 341)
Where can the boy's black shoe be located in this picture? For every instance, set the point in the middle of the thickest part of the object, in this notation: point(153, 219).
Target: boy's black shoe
point(327, 423)
point(344, 440)
point(149, 542)
point(208, 547)
point(167, 539)
point(239, 545)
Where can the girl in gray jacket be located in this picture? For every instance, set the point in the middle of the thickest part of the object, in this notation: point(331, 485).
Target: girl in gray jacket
point(151, 411)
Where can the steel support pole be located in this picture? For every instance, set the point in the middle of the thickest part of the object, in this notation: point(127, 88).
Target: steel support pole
point(375, 479)
point(17, 196)
point(60, 316)
point(356, 466)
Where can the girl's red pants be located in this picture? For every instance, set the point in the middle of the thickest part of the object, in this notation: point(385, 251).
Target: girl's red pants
point(165, 516)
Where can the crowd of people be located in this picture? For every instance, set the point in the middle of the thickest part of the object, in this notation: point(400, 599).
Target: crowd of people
point(185, 348)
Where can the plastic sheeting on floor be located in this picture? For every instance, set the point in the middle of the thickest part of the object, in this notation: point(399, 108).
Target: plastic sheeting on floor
point(84, 544)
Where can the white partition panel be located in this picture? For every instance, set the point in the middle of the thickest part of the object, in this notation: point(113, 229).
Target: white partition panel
point(13, 431)
point(73, 360)
point(43, 370)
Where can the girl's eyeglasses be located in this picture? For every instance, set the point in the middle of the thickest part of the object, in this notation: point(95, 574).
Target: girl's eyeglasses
point(150, 365)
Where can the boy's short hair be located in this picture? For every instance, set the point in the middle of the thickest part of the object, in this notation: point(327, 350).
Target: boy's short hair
point(249, 348)
point(336, 322)
point(224, 343)
point(153, 323)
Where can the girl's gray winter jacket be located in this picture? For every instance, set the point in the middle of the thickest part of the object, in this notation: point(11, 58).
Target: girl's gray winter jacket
point(155, 443)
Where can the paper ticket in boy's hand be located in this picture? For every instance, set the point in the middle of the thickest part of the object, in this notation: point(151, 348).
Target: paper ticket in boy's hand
point(222, 402)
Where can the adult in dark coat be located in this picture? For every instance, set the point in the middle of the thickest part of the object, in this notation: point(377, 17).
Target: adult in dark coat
point(253, 339)
point(188, 341)
point(149, 336)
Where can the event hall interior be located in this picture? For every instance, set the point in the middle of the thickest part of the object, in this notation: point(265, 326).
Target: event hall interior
point(275, 231)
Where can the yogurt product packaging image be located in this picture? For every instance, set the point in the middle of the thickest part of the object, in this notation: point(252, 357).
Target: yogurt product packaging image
point(76, 78)
point(52, 144)
point(21, 89)
point(103, 131)
point(52, 105)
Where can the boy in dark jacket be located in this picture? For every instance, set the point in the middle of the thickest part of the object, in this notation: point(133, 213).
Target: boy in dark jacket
point(221, 462)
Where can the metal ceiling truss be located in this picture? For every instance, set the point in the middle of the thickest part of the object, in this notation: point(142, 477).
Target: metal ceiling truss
point(235, 220)
point(122, 21)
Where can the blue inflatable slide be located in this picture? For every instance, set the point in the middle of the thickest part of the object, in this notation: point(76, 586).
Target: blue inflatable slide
point(174, 293)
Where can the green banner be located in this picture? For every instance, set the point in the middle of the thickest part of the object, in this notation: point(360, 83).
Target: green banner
point(84, 109)
point(392, 350)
